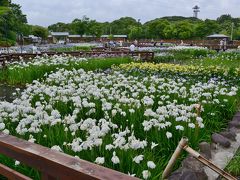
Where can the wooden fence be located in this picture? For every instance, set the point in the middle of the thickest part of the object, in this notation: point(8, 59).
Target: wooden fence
point(144, 55)
point(211, 44)
point(52, 165)
point(188, 41)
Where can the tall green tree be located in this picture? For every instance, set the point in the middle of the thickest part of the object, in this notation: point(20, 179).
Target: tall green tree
point(12, 21)
point(95, 29)
point(4, 3)
point(40, 32)
point(184, 30)
point(136, 33)
point(123, 25)
point(206, 28)
point(78, 27)
point(59, 27)
point(224, 18)
point(170, 31)
point(155, 28)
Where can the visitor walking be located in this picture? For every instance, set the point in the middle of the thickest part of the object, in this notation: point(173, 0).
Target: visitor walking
point(121, 43)
point(34, 49)
point(221, 44)
point(136, 42)
point(225, 45)
point(132, 48)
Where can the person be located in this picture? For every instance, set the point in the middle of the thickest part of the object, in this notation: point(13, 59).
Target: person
point(111, 43)
point(114, 44)
point(225, 45)
point(105, 45)
point(161, 43)
point(121, 43)
point(132, 48)
point(221, 44)
point(34, 49)
point(135, 42)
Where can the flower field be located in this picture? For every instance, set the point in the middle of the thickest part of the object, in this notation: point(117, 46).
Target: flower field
point(129, 118)
point(23, 72)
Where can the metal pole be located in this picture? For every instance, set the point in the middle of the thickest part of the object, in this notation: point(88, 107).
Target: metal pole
point(232, 31)
point(21, 42)
point(138, 30)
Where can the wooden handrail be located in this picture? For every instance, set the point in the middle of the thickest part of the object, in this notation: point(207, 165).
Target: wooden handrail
point(53, 164)
point(11, 174)
point(146, 55)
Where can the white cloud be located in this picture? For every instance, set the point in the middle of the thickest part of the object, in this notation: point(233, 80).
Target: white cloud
point(46, 12)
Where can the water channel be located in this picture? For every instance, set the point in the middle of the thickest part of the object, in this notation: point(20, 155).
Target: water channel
point(7, 92)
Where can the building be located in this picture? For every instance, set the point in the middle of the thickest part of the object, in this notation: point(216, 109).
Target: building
point(65, 37)
point(31, 39)
point(74, 38)
point(35, 39)
point(58, 37)
point(115, 38)
point(218, 37)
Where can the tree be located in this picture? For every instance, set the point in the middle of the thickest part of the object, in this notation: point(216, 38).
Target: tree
point(200, 30)
point(123, 25)
point(110, 37)
point(174, 19)
point(236, 34)
point(40, 32)
point(12, 20)
point(4, 3)
point(95, 29)
point(136, 33)
point(156, 28)
point(59, 27)
point(224, 18)
point(170, 31)
point(226, 28)
point(78, 27)
point(206, 28)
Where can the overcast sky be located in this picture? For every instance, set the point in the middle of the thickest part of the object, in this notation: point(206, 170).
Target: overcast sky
point(46, 12)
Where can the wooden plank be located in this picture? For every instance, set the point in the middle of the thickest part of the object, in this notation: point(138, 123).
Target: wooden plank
point(53, 163)
point(12, 174)
point(16, 57)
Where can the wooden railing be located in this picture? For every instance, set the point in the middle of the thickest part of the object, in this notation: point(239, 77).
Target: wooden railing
point(217, 46)
point(189, 41)
point(144, 55)
point(211, 44)
point(3, 59)
point(52, 164)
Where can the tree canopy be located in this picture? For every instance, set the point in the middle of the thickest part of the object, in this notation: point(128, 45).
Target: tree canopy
point(171, 27)
point(12, 21)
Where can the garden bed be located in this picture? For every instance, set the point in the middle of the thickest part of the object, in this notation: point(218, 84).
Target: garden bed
point(130, 118)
